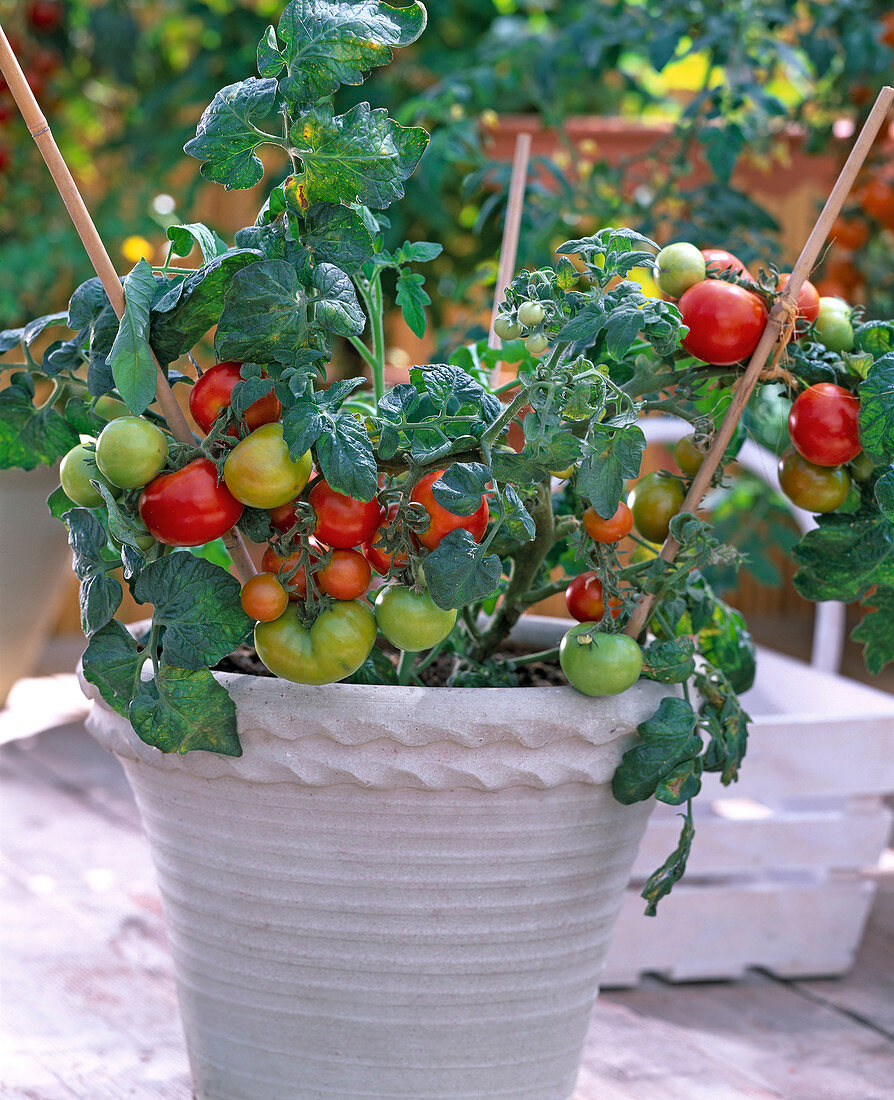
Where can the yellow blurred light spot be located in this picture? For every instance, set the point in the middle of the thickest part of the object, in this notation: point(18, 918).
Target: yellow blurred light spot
point(136, 248)
point(457, 111)
point(643, 276)
point(489, 118)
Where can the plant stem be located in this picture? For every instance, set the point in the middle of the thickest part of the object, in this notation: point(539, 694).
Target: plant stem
point(377, 322)
point(543, 655)
point(405, 667)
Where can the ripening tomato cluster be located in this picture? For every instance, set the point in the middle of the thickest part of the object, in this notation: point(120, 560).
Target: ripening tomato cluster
point(816, 471)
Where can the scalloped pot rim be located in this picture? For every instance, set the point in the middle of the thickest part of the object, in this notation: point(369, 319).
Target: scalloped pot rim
point(388, 737)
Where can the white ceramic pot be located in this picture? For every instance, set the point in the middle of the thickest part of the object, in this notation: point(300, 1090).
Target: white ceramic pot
point(393, 892)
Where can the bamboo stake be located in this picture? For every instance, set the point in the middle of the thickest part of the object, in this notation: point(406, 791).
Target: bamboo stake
point(511, 229)
point(39, 129)
point(774, 337)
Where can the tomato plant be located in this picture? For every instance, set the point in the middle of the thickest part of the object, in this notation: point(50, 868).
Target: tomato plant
point(441, 521)
point(811, 487)
point(130, 451)
point(260, 472)
point(725, 321)
point(599, 664)
point(410, 619)
point(824, 424)
point(188, 507)
point(583, 598)
point(335, 645)
point(342, 522)
point(212, 394)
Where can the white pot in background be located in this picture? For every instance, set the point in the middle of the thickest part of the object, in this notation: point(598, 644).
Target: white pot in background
point(394, 892)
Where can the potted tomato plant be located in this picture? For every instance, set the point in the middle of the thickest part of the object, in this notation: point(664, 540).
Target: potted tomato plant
point(390, 839)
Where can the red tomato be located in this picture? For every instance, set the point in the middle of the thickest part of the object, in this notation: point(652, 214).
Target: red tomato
point(725, 322)
point(807, 302)
point(718, 259)
point(296, 586)
point(284, 517)
point(877, 200)
point(608, 530)
point(188, 507)
point(823, 425)
point(212, 391)
point(376, 555)
point(343, 522)
point(441, 520)
point(347, 575)
point(45, 15)
point(850, 233)
point(583, 598)
point(263, 598)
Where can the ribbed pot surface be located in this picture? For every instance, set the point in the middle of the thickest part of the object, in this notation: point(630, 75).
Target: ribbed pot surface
point(394, 892)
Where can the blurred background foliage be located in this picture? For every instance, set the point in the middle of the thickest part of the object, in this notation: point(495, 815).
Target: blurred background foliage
point(123, 82)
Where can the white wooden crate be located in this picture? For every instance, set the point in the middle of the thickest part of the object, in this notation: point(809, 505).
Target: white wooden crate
point(777, 875)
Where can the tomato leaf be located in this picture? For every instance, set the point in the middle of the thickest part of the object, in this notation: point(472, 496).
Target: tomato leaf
point(302, 423)
point(265, 315)
point(228, 135)
point(86, 304)
point(112, 663)
point(661, 882)
point(182, 316)
point(100, 594)
point(362, 156)
point(726, 723)
point(670, 662)
point(182, 710)
point(585, 325)
point(198, 605)
point(727, 645)
point(680, 783)
point(667, 739)
point(876, 629)
point(460, 488)
point(131, 360)
point(412, 299)
point(30, 436)
point(875, 337)
point(843, 556)
point(518, 520)
point(337, 235)
point(458, 571)
point(616, 454)
point(184, 237)
point(884, 494)
point(336, 307)
point(346, 458)
point(877, 411)
point(332, 42)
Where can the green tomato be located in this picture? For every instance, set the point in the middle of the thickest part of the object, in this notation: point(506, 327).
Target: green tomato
point(687, 456)
point(654, 500)
point(77, 470)
point(334, 646)
point(862, 467)
point(536, 343)
point(412, 620)
point(833, 325)
point(646, 553)
point(259, 472)
point(530, 314)
point(110, 408)
point(131, 451)
point(679, 266)
point(599, 664)
point(506, 328)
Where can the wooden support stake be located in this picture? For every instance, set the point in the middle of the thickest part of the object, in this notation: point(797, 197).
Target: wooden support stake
point(774, 337)
point(511, 229)
point(99, 257)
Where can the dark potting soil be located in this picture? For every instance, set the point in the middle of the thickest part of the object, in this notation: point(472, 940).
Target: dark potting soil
point(537, 674)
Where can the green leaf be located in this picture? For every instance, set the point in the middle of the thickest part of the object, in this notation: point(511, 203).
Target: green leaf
point(843, 556)
point(412, 299)
point(585, 326)
point(726, 723)
point(131, 360)
point(884, 494)
point(681, 783)
point(418, 252)
point(302, 424)
point(668, 739)
point(332, 42)
point(30, 436)
point(228, 133)
point(34, 328)
point(519, 521)
point(265, 315)
point(86, 304)
point(198, 604)
point(875, 337)
point(722, 148)
point(378, 668)
point(458, 572)
point(183, 316)
point(616, 454)
point(337, 307)
point(100, 594)
point(346, 458)
point(10, 338)
point(184, 237)
point(670, 662)
point(876, 629)
point(182, 710)
point(337, 235)
point(112, 662)
point(877, 411)
point(661, 882)
point(58, 503)
point(362, 156)
point(621, 330)
point(726, 643)
point(270, 60)
point(459, 490)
